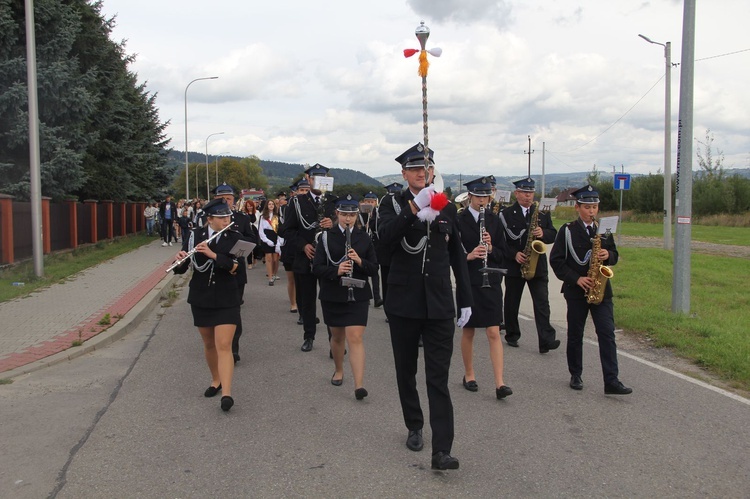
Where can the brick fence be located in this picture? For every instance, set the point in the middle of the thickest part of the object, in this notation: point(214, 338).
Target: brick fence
point(65, 225)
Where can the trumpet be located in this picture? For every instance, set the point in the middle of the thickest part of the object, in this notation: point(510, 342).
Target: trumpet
point(193, 251)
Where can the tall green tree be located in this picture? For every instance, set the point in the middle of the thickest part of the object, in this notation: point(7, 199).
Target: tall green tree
point(101, 137)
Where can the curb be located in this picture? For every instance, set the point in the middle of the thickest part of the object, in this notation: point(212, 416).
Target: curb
point(128, 323)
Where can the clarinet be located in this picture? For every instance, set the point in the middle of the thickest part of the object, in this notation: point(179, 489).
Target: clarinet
point(348, 280)
point(347, 247)
point(482, 231)
point(486, 269)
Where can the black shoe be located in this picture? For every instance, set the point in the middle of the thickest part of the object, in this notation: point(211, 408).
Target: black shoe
point(414, 440)
point(576, 383)
point(337, 382)
point(503, 392)
point(293, 311)
point(513, 343)
point(300, 322)
point(617, 388)
point(226, 403)
point(444, 461)
point(470, 385)
point(378, 303)
point(360, 393)
point(236, 357)
point(211, 391)
point(317, 320)
point(270, 283)
point(307, 345)
point(549, 346)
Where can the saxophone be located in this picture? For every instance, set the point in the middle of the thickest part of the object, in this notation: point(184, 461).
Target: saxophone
point(598, 272)
point(534, 247)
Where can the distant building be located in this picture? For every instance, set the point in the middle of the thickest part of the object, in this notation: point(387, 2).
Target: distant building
point(252, 194)
point(565, 198)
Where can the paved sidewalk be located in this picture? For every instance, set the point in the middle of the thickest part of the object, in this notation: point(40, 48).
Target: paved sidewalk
point(39, 330)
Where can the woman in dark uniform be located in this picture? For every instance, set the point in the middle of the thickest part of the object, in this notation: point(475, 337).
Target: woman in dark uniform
point(213, 297)
point(487, 311)
point(345, 311)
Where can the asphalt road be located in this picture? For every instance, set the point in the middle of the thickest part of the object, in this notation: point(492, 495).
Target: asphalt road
point(130, 420)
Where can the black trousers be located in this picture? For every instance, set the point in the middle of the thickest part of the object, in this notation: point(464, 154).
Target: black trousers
point(539, 290)
point(375, 287)
point(437, 337)
point(306, 288)
point(238, 330)
point(603, 317)
point(167, 231)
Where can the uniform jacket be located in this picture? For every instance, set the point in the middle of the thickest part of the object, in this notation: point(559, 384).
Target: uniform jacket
point(299, 233)
point(244, 226)
point(413, 293)
point(330, 282)
point(382, 250)
point(217, 288)
point(469, 229)
point(515, 224)
point(567, 269)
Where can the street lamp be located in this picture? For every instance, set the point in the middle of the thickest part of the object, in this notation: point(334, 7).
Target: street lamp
point(187, 172)
point(208, 190)
point(667, 142)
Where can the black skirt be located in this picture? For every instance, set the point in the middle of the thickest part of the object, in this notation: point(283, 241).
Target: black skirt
point(487, 310)
point(210, 317)
point(338, 314)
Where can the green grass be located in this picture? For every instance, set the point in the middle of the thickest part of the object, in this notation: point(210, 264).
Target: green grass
point(60, 266)
point(714, 334)
point(739, 236)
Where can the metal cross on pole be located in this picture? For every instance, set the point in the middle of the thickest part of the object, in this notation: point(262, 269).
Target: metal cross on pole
point(529, 152)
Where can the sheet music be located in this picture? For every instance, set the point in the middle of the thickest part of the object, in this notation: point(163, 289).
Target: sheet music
point(608, 224)
point(242, 248)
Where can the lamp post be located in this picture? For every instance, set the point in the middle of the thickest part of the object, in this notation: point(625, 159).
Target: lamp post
point(667, 142)
point(208, 187)
point(187, 172)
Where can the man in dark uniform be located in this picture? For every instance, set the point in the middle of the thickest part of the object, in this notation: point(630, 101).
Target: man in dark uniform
point(570, 259)
point(367, 213)
point(422, 228)
point(383, 251)
point(308, 214)
point(242, 224)
point(167, 218)
point(516, 221)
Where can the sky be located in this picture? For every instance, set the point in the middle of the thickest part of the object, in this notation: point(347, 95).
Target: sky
point(306, 81)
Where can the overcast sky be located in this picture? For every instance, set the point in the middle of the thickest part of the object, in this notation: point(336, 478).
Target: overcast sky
point(307, 81)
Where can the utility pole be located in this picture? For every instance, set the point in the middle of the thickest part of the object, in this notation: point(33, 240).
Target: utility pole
point(529, 152)
point(544, 187)
point(684, 170)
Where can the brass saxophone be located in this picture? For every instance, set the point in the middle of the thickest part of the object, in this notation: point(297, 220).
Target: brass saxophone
point(534, 247)
point(598, 272)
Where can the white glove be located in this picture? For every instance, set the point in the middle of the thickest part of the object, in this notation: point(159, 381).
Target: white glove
point(423, 198)
point(464, 318)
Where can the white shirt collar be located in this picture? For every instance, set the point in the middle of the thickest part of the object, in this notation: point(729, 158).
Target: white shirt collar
point(474, 213)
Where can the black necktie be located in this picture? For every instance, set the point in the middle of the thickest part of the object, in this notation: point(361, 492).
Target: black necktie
point(590, 230)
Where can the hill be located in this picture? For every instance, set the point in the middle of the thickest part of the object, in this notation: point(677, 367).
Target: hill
point(279, 174)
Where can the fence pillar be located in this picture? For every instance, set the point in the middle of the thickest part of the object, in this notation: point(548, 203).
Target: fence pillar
point(92, 208)
point(6, 226)
point(46, 227)
point(73, 221)
point(123, 221)
point(109, 213)
point(133, 218)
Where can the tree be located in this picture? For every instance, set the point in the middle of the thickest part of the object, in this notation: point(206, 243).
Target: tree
point(712, 167)
point(101, 137)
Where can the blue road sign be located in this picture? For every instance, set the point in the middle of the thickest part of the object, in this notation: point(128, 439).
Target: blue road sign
point(622, 181)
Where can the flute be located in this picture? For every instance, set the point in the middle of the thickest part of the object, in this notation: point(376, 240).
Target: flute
point(193, 251)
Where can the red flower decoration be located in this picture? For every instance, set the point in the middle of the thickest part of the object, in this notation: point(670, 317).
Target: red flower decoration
point(439, 201)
